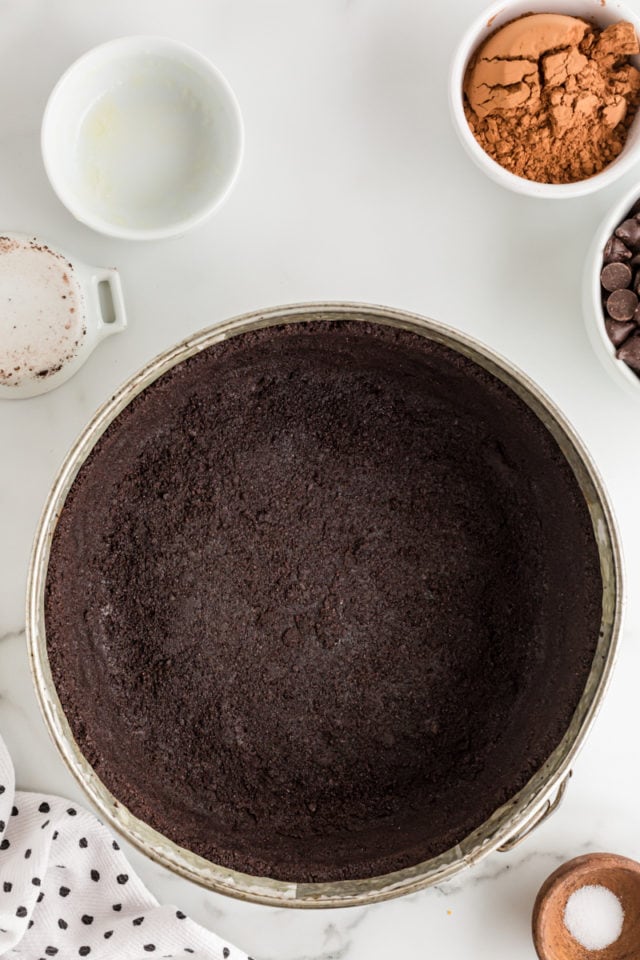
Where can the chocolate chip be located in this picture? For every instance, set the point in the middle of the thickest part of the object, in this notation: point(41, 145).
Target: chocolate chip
point(616, 276)
point(615, 251)
point(621, 304)
point(629, 233)
point(630, 352)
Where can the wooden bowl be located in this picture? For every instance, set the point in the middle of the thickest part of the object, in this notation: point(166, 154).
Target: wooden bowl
point(551, 938)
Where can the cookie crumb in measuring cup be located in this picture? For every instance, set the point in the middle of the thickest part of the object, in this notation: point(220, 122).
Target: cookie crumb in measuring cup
point(42, 312)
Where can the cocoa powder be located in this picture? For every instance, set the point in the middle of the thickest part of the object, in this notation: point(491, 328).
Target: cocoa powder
point(551, 97)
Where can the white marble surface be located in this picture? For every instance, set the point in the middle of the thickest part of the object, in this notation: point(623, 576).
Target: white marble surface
point(353, 187)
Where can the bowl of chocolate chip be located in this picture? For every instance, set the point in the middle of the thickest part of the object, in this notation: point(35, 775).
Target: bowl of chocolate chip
point(611, 292)
point(322, 605)
point(544, 96)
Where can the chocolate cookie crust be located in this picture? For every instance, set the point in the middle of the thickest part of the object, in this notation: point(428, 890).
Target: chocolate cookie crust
point(321, 599)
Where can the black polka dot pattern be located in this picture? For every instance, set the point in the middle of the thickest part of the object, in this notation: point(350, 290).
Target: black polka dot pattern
point(58, 855)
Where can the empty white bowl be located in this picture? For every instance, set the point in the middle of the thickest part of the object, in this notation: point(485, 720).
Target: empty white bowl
point(487, 23)
point(142, 138)
point(592, 297)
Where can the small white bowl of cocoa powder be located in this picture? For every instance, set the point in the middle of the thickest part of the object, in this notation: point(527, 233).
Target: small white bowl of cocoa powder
point(545, 96)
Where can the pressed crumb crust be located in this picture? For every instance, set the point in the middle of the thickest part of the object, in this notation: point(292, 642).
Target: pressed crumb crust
point(321, 599)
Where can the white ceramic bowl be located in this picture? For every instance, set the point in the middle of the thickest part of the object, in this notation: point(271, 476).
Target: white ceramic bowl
point(142, 138)
point(592, 302)
point(495, 16)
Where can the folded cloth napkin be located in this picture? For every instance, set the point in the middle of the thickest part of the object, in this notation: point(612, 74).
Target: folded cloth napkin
point(67, 890)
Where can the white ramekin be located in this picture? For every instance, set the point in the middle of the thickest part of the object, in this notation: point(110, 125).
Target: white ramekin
point(495, 16)
point(189, 126)
point(592, 301)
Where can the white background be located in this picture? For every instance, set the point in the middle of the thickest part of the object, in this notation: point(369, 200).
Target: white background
point(353, 187)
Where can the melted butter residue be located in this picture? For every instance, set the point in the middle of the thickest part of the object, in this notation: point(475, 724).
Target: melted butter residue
point(145, 149)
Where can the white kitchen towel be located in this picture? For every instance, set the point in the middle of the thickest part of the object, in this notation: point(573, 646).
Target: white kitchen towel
point(67, 890)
